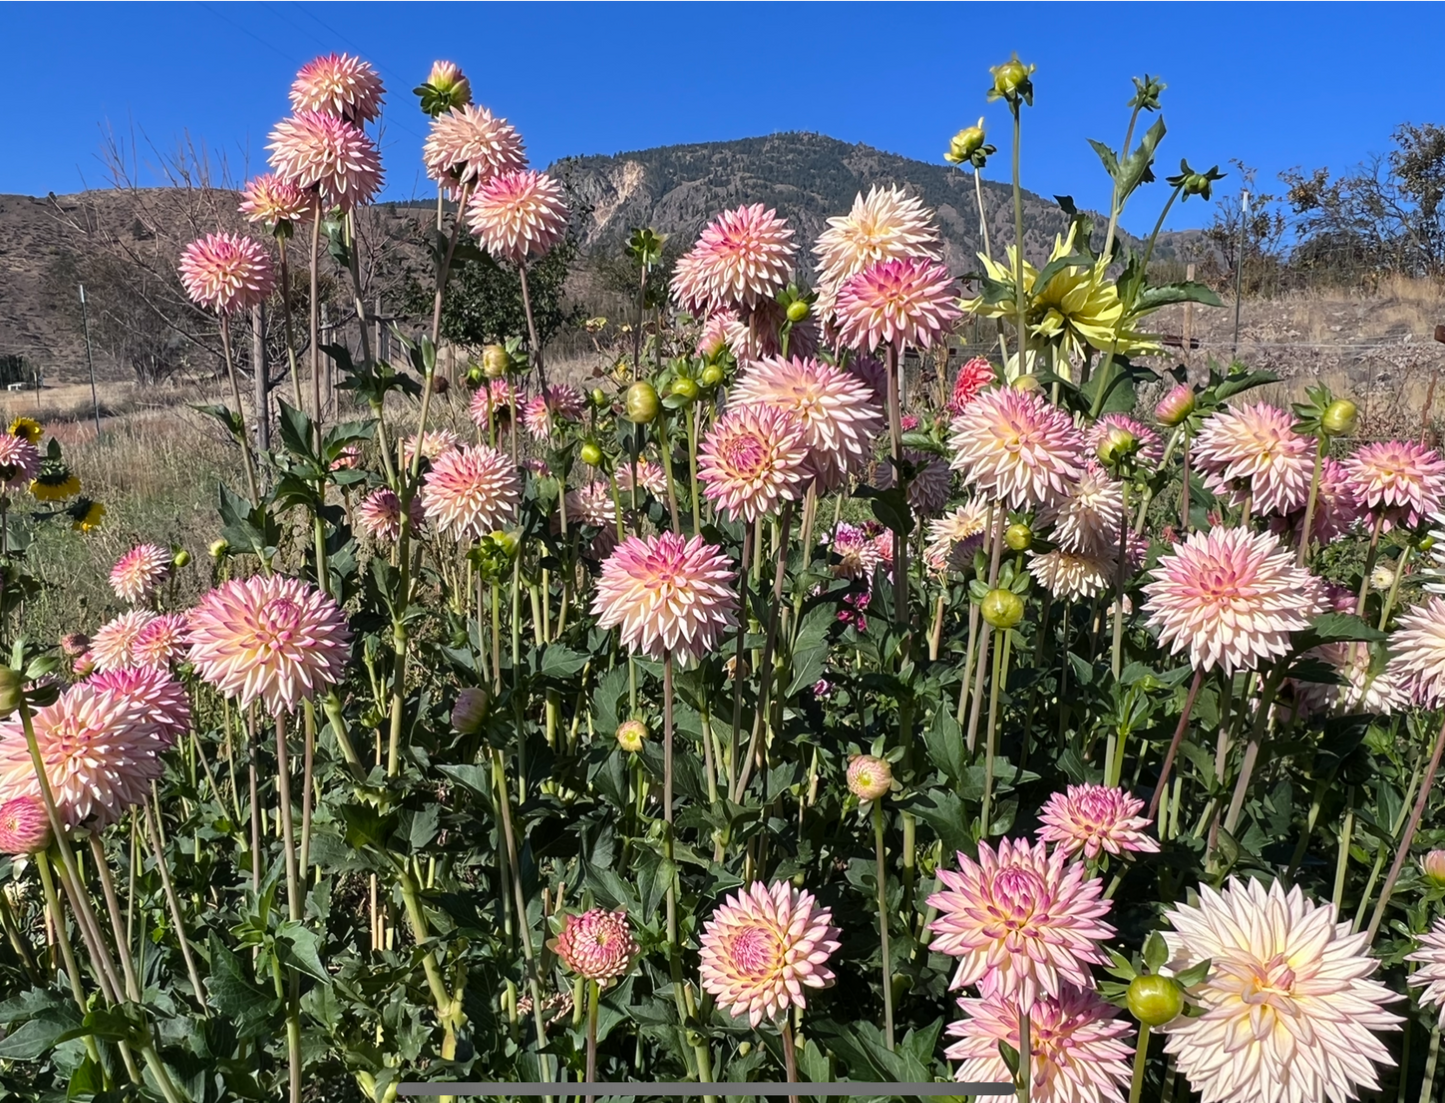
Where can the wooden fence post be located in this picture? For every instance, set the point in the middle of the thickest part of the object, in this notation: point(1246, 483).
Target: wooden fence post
point(260, 372)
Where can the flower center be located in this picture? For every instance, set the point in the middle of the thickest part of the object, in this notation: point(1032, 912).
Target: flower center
point(1016, 896)
point(756, 951)
point(744, 456)
point(277, 622)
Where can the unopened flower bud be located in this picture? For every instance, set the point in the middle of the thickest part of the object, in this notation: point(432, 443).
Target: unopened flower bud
point(1117, 446)
point(599, 398)
point(1155, 1000)
point(1002, 608)
point(1339, 418)
point(798, 310)
point(711, 376)
point(219, 548)
point(965, 144)
point(641, 405)
point(1010, 77)
point(74, 644)
point(450, 83)
point(1026, 383)
point(631, 735)
point(590, 453)
point(475, 375)
point(869, 777)
point(505, 542)
point(181, 559)
point(495, 361)
point(1019, 537)
point(12, 690)
point(1433, 866)
point(684, 388)
point(470, 711)
point(1175, 406)
point(24, 826)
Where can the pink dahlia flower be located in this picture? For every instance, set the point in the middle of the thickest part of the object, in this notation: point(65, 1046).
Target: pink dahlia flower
point(1023, 919)
point(1337, 510)
point(471, 146)
point(558, 402)
point(1017, 448)
point(271, 639)
point(975, 377)
point(435, 443)
point(471, 491)
point(1288, 1012)
point(1363, 685)
point(340, 85)
point(650, 477)
point(19, 462)
point(1417, 653)
point(858, 552)
point(763, 947)
point(226, 273)
point(1230, 598)
point(1430, 955)
point(592, 505)
point(271, 201)
point(840, 419)
point(494, 400)
point(723, 331)
point(1397, 482)
point(955, 537)
point(888, 224)
point(1094, 819)
point(139, 571)
point(896, 303)
point(869, 777)
point(161, 642)
point(112, 644)
point(743, 256)
point(1079, 1048)
point(25, 826)
point(669, 595)
point(1151, 448)
point(74, 644)
point(753, 459)
point(162, 700)
point(518, 215)
point(379, 515)
point(1087, 519)
point(596, 945)
point(1253, 450)
point(327, 156)
point(100, 751)
point(1074, 576)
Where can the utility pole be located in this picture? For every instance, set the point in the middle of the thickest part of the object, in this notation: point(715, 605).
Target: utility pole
point(1239, 268)
point(90, 360)
point(1430, 394)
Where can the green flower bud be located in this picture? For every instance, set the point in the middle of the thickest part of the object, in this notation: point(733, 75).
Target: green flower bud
point(1019, 537)
point(798, 310)
point(181, 559)
point(1002, 608)
point(219, 548)
point(475, 375)
point(599, 398)
point(470, 710)
point(12, 690)
point(1155, 1000)
point(641, 405)
point(495, 361)
point(1027, 383)
point(684, 388)
point(591, 453)
point(1339, 418)
point(965, 144)
point(711, 376)
point(505, 542)
point(1011, 78)
point(1117, 446)
point(1433, 866)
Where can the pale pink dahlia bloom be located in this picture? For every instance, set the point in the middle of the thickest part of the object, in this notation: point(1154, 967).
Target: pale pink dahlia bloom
point(669, 595)
point(742, 257)
point(19, 462)
point(888, 224)
point(1337, 510)
point(435, 443)
point(930, 486)
point(763, 947)
point(1230, 598)
point(112, 644)
point(161, 642)
point(518, 215)
point(161, 698)
point(1079, 1047)
point(840, 419)
point(226, 273)
point(954, 537)
point(596, 945)
point(271, 639)
point(723, 330)
point(139, 571)
point(327, 156)
point(1364, 685)
point(1094, 819)
point(470, 146)
point(1071, 576)
point(1289, 1015)
point(753, 459)
point(975, 377)
point(339, 85)
point(1417, 653)
point(1151, 448)
point(379, 514)
point(1018, 448)
point(1397, 482)
point(896, 303)
point(1253, 450)
point(25, 826)
point(1087, 518)
point(471, 491)
point(558, 402)
point(1023, 919)
point(494, 400)
point(100, 751)
point(592, 505)
point(650, 477)
point(869, 777)
point(270, 200)
point(1430, 955)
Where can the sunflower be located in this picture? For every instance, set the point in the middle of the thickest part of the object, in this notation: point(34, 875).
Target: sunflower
point(85, 514)
point(28, 428)
point(55, 483)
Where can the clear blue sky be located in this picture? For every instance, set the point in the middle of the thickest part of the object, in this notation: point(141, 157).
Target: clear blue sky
point(1275, 85)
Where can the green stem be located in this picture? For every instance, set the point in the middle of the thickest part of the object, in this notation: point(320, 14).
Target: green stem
point(1000, 674)
point(1302, 552)
point(1115, 207)
point(1402, 852)
point(1141, 1060)
point(1020, 299)
point(1400, 565)
point(880, 857)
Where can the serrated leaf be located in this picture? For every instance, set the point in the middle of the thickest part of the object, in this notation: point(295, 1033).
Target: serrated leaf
point(298, 946)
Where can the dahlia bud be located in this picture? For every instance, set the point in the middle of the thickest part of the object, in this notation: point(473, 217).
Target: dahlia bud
point(475, 375)
point(711, 376)
point(599, 398)
point(84, 665)
point(596, 945)
point(495, 361)
point(450, 83)
point(869, 777)
point(1117, 446)
point(590, 453)
point(219, 548)
point(505, 542)
point(631, 735)
point(641, 405)
point(1027, 383)
point(1011, 79)
point(12, 690)
point(1175, 406)
point(1019, 537)
point(798, 310)
point(24, 826)
point(74, 644)
point(1433, 866)
point(965, 144)
point(470, 710)
point(730, 668)
point(684, 388)
point(1002, 608)
point(440, 385)
point(1339, 418)
point(1155, 1000)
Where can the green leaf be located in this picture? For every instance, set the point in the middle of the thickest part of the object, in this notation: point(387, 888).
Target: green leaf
point(561, 662)
point(32, 1040)
point(1336, 628)
point(944, 739)
point(1169, 294)
point(1156, 952)
point(297, 946)
point(297, 432)
point(890, 507)
point(1195, 974)
point(1136, 167)
point(1108, 157)
point(233, 993)
point(224, 415)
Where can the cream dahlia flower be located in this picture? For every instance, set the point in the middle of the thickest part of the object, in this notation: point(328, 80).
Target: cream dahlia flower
point(669, 595)
point(471, 491)
point(1095, 819)
point(753, 459)
point(1018, 448)
point(743, 257)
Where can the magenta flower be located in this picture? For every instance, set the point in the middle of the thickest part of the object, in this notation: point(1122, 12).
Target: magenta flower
point(896, 303)
point(743, 256)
